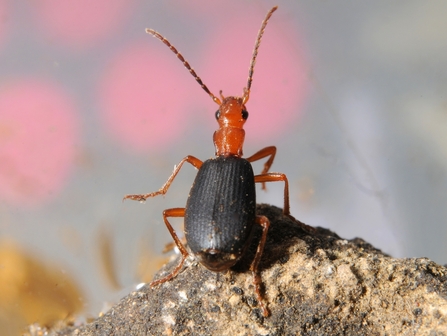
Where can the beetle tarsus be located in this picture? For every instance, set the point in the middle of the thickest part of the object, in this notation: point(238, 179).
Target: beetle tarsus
point(139, 198)
point(305, 227)
point(171, 275)
point(257, 282)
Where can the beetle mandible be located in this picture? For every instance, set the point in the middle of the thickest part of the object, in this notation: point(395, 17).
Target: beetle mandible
point(221, 208)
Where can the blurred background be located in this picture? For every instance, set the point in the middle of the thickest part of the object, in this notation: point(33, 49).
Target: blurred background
point(92, 108)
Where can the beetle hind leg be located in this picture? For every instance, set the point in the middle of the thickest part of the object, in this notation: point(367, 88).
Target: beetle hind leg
point(174, 212)
point(257, 281)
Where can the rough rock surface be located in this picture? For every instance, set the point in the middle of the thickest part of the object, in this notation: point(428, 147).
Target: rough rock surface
point(315, 284)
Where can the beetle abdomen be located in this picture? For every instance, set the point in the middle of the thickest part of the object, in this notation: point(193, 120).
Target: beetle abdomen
point(220, 211)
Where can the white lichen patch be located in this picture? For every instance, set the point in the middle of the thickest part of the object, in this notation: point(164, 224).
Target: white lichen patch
point(168, 319)
point(183, 295)
point(211, 285)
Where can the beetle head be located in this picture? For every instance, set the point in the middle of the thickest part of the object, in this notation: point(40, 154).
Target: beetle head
point(232, 112)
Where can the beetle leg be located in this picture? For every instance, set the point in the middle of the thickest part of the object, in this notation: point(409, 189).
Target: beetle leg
point(174, 212)
point(276, 177)
point(170, 246)
point(265, 223)
point(190, 159)
point(271, 150)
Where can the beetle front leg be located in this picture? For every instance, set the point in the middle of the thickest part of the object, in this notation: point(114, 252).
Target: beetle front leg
point(271, 150)
point(190, 159)
point(277, 177)
point(174, 212)
point(265, 223)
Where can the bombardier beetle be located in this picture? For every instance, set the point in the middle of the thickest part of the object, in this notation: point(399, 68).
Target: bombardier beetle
point(221, 208)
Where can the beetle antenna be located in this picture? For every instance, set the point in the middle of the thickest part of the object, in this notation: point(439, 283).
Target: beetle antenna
point(185, 63)
point(255, 54)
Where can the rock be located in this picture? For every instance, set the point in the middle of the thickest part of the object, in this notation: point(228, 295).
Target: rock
point(315, 284)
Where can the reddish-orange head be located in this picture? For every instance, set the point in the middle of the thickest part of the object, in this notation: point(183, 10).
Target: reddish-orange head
point(232, 112)
point(231, 116)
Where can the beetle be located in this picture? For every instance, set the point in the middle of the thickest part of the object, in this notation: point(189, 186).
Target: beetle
point(220, 212)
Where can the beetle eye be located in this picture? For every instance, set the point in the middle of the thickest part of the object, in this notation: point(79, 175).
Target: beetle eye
point(217, 114)
point(244, 114)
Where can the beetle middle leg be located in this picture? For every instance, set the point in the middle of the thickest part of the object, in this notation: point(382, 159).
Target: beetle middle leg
point(277, 177)
point(174, 212)
point(163, 190)
point(271, 150)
